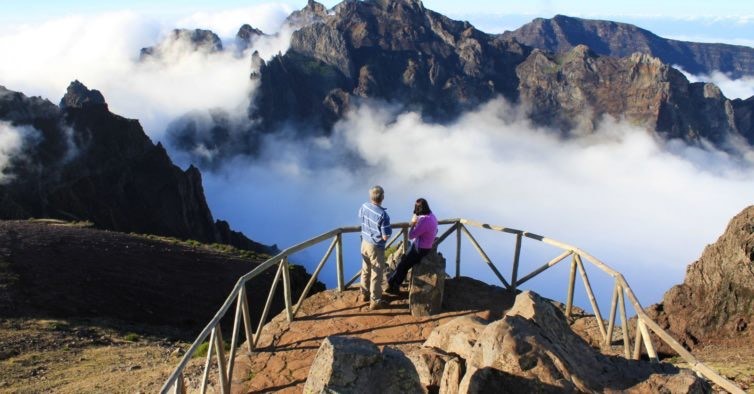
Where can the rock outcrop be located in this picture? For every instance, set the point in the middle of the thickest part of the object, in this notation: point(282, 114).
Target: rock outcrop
point(716, 299)
point(184, 40)
point(246, 36)
point(531, 349)
point(85, 163)
point(562, 33)
point(576, 89)
point(427, 285)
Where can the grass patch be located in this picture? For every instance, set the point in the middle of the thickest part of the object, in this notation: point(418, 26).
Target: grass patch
point(201, 351)
point(132, 337)
point(214, 247)
point(57, 325)
point(65, 223)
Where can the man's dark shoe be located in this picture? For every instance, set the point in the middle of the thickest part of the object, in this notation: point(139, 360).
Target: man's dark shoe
point(393, 290)
point(364, 297)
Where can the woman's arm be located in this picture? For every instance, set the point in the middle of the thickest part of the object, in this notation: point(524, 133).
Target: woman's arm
point(418, 229)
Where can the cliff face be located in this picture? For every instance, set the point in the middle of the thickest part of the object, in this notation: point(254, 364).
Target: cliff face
point(393, 50)
point(86, 163)
point(563, 33)
point(574, 89)
point(716, 299)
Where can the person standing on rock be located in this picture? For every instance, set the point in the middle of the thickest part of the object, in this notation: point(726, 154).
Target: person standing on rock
point(423, 229)
point(375, 231)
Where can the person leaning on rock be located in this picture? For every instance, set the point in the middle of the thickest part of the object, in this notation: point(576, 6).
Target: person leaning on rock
point(423, 229)
point(375, 230)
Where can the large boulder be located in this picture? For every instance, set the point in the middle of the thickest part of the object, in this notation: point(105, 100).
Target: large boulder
point(430, 365)
point(355, 365)
point(427, 285)
point(716, 299)
point(533, 348)
point(457, 336)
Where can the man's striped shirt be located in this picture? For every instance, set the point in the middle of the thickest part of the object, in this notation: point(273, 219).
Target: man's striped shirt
point(375, 223)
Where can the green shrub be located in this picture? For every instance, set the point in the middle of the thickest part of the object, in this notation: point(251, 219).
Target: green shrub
point(132, 337)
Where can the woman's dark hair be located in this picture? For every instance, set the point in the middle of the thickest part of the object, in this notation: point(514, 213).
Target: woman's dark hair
point(421, 207)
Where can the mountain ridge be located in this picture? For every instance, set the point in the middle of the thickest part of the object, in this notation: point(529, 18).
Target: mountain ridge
point(400, 53)
point(562, 33)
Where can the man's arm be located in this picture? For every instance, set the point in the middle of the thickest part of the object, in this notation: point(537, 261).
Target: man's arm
point(385, 228)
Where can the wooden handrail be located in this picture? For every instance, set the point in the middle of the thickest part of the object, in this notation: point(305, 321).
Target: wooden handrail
point(238, 294)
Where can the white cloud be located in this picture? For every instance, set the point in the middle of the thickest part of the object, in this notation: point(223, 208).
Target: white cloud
point(643, 207)
point(12, 140)
point(742, 88)
point(102, 52)
point(225, 23)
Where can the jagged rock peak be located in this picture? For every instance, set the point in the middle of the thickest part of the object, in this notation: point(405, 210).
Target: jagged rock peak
point(246, 34)
point(196, 40)
point(79, 96)
point(313, 12)
point(387, 4)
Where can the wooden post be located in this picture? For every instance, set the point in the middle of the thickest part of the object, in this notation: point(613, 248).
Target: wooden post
point(353, 279)
point(485, 257)
point(234, 337)
point(592, 300)
point(208, 362)
point(221, 365)
point(648, 342)
point(516, 255)
point(611, 320)
point(637, 344)
point(315, 275)
point(287, 288)
point(267, 305)
point(624, 324)
point(339, 262)
point(458, 249)
point(544, 267)
point(246, 318)
point(180, 385)
point(571, 285)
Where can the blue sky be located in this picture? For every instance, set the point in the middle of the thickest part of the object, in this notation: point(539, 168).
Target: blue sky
point(729, 21)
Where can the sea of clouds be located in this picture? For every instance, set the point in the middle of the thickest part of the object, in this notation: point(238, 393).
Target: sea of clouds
point(646, 207)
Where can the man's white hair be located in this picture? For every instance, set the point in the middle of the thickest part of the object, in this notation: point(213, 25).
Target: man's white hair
point(376, 193)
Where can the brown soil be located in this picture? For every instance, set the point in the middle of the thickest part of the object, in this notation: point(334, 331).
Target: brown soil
point(51, 269)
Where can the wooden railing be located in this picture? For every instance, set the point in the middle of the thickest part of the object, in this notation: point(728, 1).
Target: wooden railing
point(621, 290)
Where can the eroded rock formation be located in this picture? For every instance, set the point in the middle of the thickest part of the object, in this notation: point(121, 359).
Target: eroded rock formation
point(716, 299)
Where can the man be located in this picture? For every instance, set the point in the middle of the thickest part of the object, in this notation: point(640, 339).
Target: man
point(375, 231)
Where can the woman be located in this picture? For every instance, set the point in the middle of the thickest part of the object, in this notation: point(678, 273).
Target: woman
point(423, 230)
